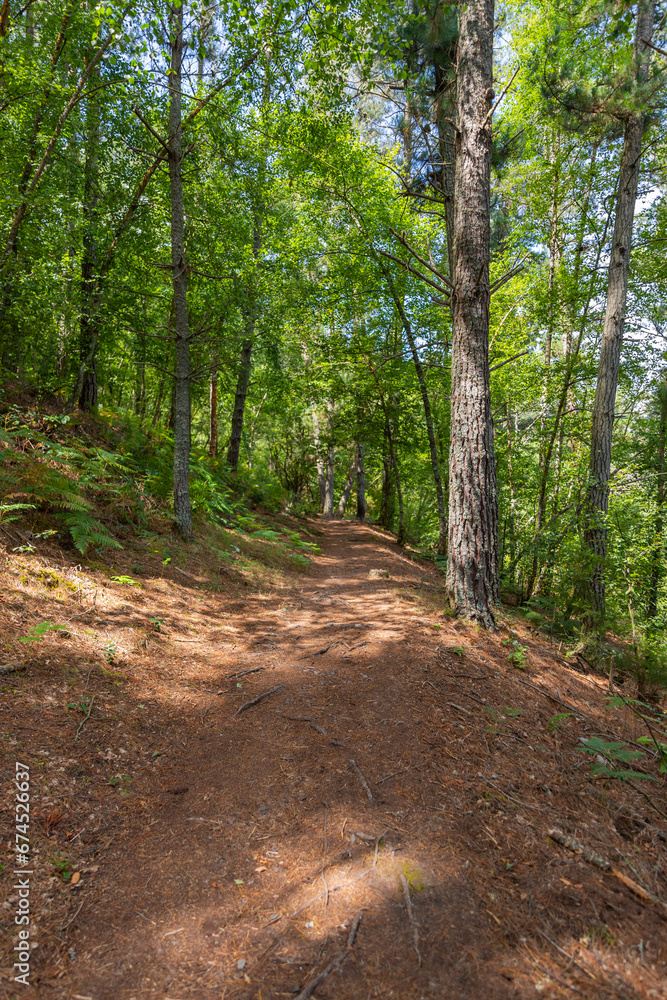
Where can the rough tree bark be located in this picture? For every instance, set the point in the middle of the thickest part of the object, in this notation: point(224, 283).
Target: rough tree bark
point(182, 375)
point(597, 496)
point(472, 565)
point(361, 483)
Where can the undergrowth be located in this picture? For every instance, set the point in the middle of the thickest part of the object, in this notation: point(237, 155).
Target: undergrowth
point(91, 482)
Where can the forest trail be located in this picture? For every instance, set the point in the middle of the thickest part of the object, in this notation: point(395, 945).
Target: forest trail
point(241, 846)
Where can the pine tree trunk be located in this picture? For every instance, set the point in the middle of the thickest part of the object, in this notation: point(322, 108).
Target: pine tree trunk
point(361, 483)
point(234, 448)
point(182, 406)
point(472, 566)
point(597, 497)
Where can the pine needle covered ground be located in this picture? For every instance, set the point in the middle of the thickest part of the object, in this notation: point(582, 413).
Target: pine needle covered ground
point(270, 755)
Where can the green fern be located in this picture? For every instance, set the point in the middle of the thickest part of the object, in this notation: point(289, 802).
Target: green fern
point(86, 531)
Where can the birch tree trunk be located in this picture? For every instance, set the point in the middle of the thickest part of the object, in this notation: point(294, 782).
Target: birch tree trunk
point(182, 410)
point(361, 483)
point(472, 566)
point(597, 497)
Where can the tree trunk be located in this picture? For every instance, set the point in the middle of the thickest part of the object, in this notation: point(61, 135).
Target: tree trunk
point(347, 490)
point(661, 496)
point(361, 483)
point(554, 259)
point(400, 536)
point(89, 323)
point(182, 409)
point(428, 417)
point(319, 461)
point(158, 402)
point(140, 385)
point(213, 413)
point(329, 476)
point(36, 173)
point(472, 566)
point(597, 497)
point(246, 354)
point(240, 398)
point(387, 503)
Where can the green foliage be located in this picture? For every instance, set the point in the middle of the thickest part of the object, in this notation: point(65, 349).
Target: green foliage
point(499, 715)
point(609, 755)
point(517, 656)
point(557, 720)
point(39, 631)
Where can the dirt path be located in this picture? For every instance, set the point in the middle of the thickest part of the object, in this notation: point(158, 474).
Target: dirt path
point(247, 843)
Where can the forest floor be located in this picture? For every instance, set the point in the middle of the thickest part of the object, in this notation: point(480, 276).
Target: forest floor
point(402, 769)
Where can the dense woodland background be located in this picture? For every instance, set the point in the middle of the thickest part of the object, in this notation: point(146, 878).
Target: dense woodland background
point(291, 342)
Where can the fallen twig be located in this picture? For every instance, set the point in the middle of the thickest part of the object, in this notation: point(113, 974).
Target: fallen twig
point(330, 889)
point(63, 927)
point(553, 975)
point(244, 673)
point(256, 701)
point(84, 721)
point(388, 776)
point(572, 844)
point(459, 708)
point(335, 963)
point(411, 915)
point(12, 668)
point(315, 652)
point(364, 783)
point(306, 718)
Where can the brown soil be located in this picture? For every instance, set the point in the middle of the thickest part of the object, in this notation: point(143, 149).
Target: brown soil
point(232, 851)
